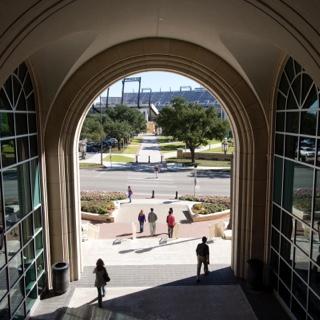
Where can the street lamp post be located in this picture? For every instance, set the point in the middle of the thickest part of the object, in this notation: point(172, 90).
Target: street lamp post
point(110, 156)
point(225, 146)
point(101, 136)
point(194, 179)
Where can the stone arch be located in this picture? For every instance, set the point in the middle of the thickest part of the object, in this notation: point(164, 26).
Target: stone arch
point(246, 114)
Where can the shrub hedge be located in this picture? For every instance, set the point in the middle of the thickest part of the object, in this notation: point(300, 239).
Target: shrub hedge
point(209, 204)
point(100, 202)
point(101, 207)
point(102, 196)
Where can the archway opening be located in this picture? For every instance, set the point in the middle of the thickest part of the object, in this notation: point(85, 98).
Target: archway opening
point(250, 161)
point(198, 195)
point(159, 170)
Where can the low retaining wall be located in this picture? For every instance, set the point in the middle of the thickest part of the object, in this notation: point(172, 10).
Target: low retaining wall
point(205, 156)
point(96, 217)
point(211, 216)
point(101, 217)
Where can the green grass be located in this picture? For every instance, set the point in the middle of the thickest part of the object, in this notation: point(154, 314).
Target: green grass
point(136, 140)
point(171, 147)
point(119, 158)
point(132, 148)
point(164, 139)
point(84, 165)
point(213, 141)
point(200, 162)
point(218, 150)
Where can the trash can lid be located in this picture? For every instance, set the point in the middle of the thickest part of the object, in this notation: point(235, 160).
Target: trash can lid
point(60, 265)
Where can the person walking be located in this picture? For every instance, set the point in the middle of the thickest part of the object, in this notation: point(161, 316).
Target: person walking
point(101, 279)
point(156, 170)
point(171, 222)
point(130, 193)
point(141, 219)
point(152, 218)
point(202, 252)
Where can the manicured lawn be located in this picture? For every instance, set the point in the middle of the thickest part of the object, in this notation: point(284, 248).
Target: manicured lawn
point(119, 158)
point(200, 162)
point(213, 141)
point(84, 165)
point(218, 150)
point(136, 140)
point(164, 139)
point(169, 147)
point(132, 148)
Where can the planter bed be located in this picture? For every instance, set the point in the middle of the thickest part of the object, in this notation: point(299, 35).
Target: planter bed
point(196, 217)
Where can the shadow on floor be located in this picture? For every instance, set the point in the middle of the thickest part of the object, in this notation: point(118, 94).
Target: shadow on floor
point(218, 296)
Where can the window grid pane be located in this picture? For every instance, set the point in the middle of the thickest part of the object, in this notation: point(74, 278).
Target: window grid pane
point(295, 240)
point(20, 199)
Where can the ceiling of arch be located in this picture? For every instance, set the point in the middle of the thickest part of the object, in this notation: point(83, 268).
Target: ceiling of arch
point(245, 37)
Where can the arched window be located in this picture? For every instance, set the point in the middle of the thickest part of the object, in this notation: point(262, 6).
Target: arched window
point(22, 270)
point(295, 232)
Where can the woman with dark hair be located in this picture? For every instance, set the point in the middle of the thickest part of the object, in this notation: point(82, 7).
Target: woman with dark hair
point(101, 279)
point(141, 219)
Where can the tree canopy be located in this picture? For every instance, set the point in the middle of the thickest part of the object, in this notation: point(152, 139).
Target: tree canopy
point(120, 122)
point(191, 123)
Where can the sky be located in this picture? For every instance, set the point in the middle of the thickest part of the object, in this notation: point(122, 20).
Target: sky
point(155, 80)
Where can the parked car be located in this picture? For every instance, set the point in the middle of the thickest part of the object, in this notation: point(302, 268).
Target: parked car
point(307, 153)
point(93, 147)
point(111, 141)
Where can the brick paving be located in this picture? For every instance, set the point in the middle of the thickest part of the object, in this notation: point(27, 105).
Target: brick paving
point(159, 275)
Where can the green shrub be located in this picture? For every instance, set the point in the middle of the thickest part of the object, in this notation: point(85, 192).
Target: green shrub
point(100, 207)
point(102, 196)
point(207, 208)
point(217, 200)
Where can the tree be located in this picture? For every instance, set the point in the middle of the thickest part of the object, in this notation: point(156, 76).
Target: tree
point(191, 123)
point(92, 129)
point(119, 130)
point(120, 122)
point(133, 117)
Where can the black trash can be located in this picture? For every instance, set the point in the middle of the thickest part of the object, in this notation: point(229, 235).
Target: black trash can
point(255, 274)
point(60, 277)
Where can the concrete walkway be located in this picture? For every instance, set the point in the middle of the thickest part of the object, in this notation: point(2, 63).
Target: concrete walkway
point(149, 150)
point(128, 214)
point(150, 281)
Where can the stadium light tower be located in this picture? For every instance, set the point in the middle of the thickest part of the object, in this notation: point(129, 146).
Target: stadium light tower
point(132, 79)
point(150, 93)
point(185, 87)
point(107, 98)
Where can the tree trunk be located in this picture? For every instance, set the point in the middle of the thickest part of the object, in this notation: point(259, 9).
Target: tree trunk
point(192, 154)
point(119, 145)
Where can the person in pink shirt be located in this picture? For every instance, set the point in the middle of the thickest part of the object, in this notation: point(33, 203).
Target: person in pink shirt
point(171, 222)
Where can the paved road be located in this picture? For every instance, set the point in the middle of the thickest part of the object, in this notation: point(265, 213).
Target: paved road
point(216, 182)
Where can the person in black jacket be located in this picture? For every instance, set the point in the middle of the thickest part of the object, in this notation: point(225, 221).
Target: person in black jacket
point(203, 257)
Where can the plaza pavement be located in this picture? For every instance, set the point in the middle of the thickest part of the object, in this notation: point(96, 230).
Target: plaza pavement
point(153, 278)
